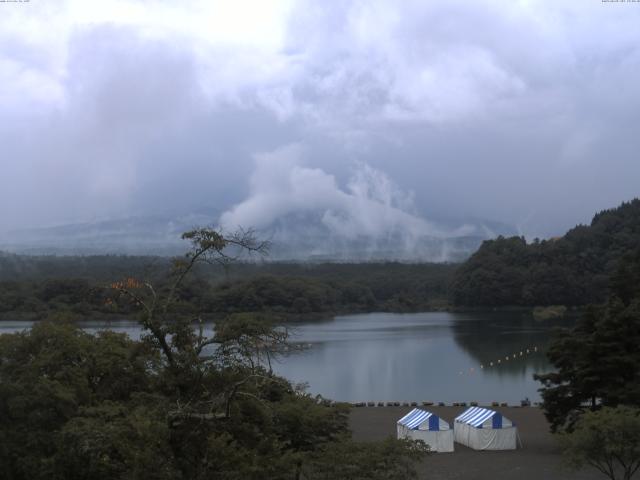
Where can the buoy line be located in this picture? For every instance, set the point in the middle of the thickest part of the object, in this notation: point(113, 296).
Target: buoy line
point(503, 360)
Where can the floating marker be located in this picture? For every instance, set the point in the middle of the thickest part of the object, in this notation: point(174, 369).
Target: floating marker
point(506, 358)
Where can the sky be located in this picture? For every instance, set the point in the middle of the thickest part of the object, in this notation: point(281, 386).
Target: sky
point(379, 114)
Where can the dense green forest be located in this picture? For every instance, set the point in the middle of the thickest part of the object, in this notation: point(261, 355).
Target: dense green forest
point(597, 362)
point(76, 406)
point(572, 270)
point(591, 396)
point(36, 287)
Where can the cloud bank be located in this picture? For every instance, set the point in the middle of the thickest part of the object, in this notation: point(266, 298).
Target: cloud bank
point(523, 112)
point(371, 205)
point(306, 213)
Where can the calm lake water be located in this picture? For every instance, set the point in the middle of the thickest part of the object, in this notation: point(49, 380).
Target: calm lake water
point(434, 356)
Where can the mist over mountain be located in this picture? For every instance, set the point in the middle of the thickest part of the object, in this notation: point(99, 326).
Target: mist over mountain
point(308, 238)
point(304, 212)
point(308, 215)
point(140, 235)
point(297, 237)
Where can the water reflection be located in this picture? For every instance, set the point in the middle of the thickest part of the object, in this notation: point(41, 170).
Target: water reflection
point(493, 340)
point(429, 356)
point(396, 357)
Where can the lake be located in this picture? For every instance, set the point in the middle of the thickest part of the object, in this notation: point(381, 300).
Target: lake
point(434, 356)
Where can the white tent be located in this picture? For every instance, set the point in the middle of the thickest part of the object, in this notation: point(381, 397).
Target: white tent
point(483, 429)
point(422, 425)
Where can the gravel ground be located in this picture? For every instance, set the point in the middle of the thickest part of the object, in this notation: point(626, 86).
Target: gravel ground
point(539, 459)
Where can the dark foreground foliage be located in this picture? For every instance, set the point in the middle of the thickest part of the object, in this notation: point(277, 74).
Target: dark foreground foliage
point(571, 270)
point(180, 403)
point(81, 406)
point(607, 440)
point(597, 361)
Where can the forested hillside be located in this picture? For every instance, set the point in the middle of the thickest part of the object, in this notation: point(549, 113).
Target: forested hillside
point(571, 270)
point(36, 287)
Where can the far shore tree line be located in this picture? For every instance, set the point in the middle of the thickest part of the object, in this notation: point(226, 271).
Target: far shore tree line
point(572, 271)
point(286, 290)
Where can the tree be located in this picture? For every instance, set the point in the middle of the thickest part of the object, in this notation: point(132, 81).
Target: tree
point(174, 335)
point(49, 377)
point(387, 460)
point(577, 382)
point(569, 270)
point(608, 440)
point(597, 362)
point(182, 403)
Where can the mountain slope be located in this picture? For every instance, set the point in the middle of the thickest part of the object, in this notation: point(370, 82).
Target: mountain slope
point(143, 235)
point(571, 270)
point(305, 236)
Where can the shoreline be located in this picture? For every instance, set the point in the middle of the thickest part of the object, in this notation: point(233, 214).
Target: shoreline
point(287, 317)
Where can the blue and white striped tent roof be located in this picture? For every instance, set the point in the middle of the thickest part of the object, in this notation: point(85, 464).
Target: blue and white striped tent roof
point(477, 416)
point(417, 417)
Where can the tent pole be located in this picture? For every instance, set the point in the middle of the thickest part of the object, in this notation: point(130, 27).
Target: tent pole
point(519, 439)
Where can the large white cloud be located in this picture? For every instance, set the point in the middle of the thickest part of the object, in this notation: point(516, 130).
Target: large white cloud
point(496, 109)
point(371, 205)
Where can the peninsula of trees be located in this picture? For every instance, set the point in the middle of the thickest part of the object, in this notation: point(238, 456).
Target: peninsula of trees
point(573, 270)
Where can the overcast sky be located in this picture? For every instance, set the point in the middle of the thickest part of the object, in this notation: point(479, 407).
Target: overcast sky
point(525, 112)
